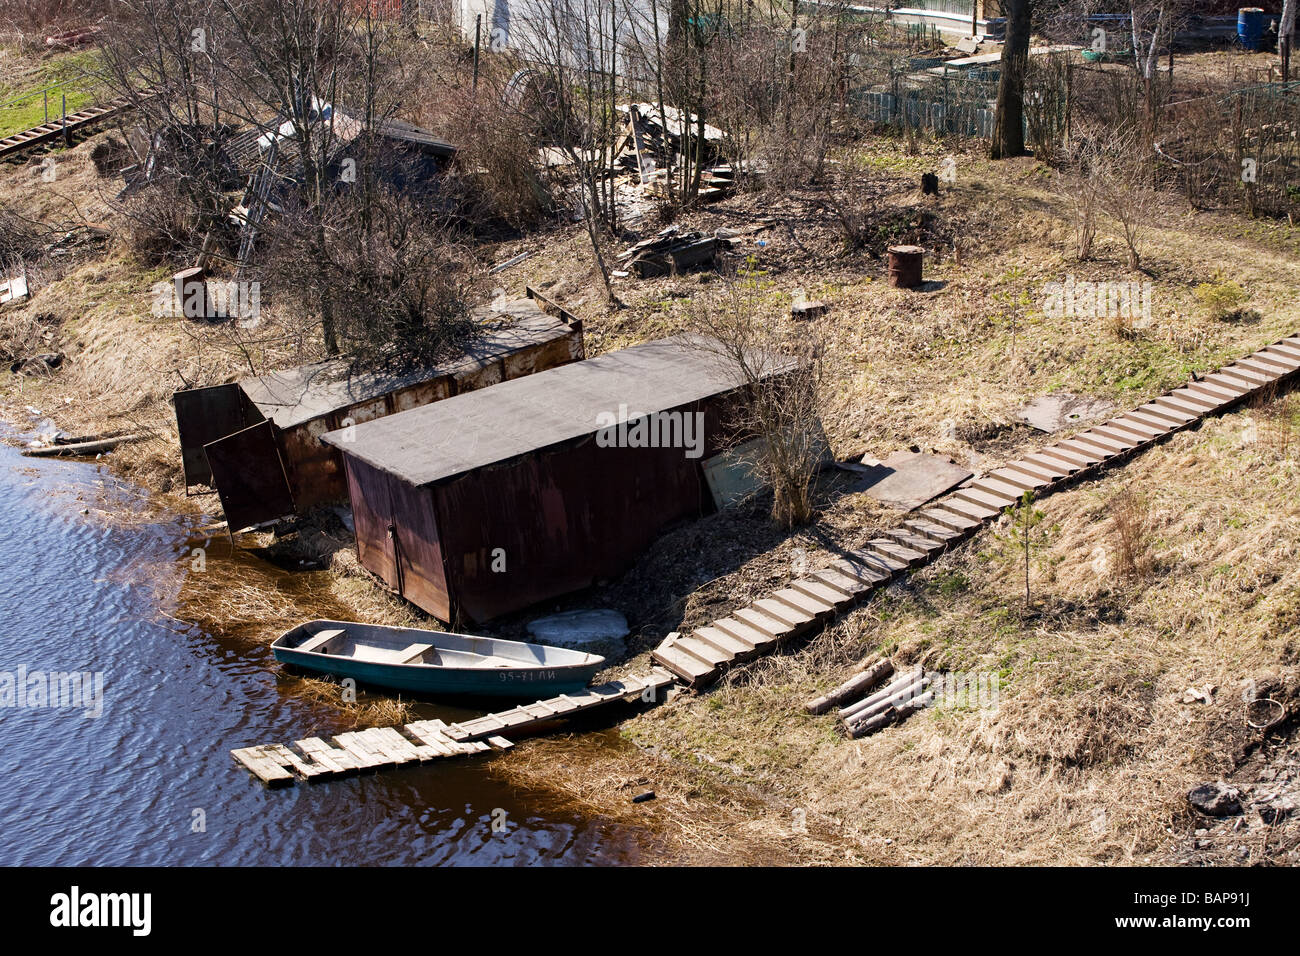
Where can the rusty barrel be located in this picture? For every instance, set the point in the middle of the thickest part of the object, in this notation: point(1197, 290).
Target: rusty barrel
point(905, 266)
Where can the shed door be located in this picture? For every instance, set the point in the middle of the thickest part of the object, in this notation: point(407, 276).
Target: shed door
point(250, 477)
point(204, 415)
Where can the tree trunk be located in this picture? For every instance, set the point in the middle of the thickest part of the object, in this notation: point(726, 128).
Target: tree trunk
point(1008, 125)
point(1286, 25)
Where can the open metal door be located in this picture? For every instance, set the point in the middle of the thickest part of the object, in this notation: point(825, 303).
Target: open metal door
point(204, 415)
point(250, 477)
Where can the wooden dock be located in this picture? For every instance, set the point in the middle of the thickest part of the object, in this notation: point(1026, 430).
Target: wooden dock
point(700, 657)
point(381, 748)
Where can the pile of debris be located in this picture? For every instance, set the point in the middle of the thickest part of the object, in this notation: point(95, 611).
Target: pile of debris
point(655, 137)
point(671, 251)
point(863, 712)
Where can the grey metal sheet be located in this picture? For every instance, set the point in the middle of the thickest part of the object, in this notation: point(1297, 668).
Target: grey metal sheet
point(292, 396)
point(907, 480)
point(491, 425)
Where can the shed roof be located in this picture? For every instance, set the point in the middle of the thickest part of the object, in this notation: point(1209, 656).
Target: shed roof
point(292, 396)
point(512, 418)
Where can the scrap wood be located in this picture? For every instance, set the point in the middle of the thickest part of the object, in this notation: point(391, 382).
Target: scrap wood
point(862, 681)
point(893, 715)
point(896, 689)
point(93, 447)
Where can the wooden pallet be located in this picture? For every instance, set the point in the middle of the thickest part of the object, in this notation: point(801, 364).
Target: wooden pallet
point(381, 748)
point(700, 657)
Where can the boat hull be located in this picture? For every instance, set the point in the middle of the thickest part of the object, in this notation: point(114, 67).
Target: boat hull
point(570, 671)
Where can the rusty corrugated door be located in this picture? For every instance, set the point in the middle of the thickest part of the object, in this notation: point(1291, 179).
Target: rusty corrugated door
point(250, 477)
point(204, 415)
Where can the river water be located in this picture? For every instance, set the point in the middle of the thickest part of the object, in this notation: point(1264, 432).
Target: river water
point(150, 780)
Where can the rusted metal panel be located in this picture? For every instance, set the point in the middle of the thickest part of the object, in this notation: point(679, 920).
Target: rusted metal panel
point(204, 415)
point(397, 536)
point(250, 477)
point(315, 470)
point(590, 512)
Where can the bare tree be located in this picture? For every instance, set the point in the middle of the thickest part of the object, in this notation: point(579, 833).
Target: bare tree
point(780, 367)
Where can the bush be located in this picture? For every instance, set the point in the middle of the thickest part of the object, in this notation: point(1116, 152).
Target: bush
point(1221, 300)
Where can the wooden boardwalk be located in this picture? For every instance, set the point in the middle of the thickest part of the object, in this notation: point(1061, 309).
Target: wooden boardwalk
point(380, 748)
point(700, 657)
point(63, 127)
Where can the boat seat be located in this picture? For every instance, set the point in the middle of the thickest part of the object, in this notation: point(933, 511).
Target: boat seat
point(413, 652)
point(318, 640)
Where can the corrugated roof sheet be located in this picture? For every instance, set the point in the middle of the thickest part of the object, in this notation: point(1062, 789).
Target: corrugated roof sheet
point(512, 418)
point(292, 396)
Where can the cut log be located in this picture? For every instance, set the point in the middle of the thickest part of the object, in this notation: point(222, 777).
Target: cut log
point(851, 688)
point(892, 716)
point(903, 683)
point(894, 700)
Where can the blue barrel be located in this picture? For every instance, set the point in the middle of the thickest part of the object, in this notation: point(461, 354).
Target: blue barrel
point(1250, 27)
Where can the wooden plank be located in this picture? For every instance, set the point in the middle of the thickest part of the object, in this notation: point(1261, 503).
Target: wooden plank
point(688, 668)
point(431, 738)
point(362, 754)
point(707, 653)
point(968, 509)
point(287, 758)
point(999, 488)
point(985, 499)
point(747, 633)
point(339, 761)
point(949, 519)
point(798, 601)
point(395, 743)
point(822, 592)
point(726, 643)
point(256, 762)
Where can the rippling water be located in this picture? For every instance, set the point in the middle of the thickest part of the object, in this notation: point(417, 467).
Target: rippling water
point(81, 593)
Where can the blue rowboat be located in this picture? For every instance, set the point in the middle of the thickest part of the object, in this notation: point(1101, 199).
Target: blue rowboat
point(433, 662)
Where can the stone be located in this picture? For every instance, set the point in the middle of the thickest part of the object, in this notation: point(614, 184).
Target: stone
point(601, 631)
point(1215, 800)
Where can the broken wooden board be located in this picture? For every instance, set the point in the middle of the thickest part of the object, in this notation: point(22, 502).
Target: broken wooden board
point(907, 480)
point(377, 748)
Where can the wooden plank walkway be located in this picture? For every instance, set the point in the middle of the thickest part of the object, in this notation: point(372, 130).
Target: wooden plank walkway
point(75, 122)
point(700, 657)
point(380, 748)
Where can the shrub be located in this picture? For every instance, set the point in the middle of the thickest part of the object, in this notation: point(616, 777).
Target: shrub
point(1221, 300)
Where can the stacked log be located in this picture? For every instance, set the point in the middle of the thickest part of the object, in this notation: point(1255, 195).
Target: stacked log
point(901, 698)
point(868, 674)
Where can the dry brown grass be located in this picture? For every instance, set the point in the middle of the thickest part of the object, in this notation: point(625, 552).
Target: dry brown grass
point(1091, 750)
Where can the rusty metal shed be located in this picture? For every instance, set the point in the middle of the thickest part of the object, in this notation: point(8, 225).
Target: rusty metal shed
point(257, 441)
point(492, 501)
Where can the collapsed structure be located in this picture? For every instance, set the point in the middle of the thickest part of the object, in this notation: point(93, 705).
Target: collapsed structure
point(492, 501)
point(256, 441)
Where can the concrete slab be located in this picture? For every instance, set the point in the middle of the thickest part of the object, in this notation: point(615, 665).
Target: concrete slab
point(907, 480)
point(1051, 413)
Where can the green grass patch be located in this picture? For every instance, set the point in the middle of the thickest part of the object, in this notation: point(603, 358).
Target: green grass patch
point(23, 107)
